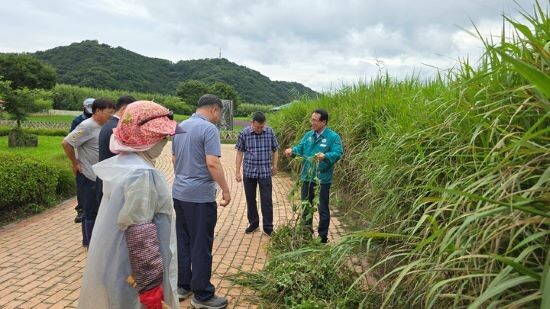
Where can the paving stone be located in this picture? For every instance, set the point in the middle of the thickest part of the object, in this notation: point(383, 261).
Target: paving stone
point(42, 260)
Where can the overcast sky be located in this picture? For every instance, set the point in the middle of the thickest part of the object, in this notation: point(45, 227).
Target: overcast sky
point(322, 44)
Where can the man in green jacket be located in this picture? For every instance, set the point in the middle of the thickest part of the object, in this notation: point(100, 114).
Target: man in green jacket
point(321, 148)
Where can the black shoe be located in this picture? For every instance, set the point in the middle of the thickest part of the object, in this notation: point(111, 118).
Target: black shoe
point(250, 229)
point(78, 218)
point(323, 240)
point(268, 233)
point(216, 302)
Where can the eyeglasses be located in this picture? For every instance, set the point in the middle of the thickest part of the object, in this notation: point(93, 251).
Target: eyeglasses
point(170, 116)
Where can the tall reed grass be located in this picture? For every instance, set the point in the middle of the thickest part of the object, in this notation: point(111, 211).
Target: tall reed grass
point(449, 177)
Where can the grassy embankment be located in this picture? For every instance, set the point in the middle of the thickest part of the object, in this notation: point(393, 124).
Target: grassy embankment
point(447, 184)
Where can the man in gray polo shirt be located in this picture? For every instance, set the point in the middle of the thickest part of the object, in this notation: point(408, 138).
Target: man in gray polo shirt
point(84, 139)
point(197, 168)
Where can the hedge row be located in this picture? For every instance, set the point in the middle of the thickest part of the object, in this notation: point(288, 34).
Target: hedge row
point(26, 181)
point(247, 109)
point(4, 131)
point(70, 97)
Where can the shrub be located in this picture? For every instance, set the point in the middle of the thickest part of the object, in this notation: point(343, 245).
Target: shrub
point(5, 131)
point(19, 138)
point(24, 181)
point(69, 97)
point(178, 107)
point(246, 109)
point(46, 132)
point(66, 185)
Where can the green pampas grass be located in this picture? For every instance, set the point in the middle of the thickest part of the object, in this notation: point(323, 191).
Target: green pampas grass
point(447, 179)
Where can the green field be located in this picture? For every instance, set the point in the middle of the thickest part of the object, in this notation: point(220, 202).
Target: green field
point(49, 150)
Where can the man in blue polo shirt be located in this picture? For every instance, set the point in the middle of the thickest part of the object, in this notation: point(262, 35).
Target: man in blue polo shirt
point(197, 169)
point(258, 145)
point(323, 145)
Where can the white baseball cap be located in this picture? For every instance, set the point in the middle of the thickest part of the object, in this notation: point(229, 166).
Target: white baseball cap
point(87, 104)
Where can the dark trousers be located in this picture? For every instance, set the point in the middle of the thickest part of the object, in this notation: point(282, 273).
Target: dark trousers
point(86, 197)
point(98, 191)
point(266, 201)
point(195, 224)
point(308, 193)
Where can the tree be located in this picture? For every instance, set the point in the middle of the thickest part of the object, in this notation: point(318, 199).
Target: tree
point(20, 102)
point(23, 79)
point(191, 90)
point(225, 92)
point(26, 71)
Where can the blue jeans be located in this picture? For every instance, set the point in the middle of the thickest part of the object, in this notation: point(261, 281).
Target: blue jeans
point(266, 202)
point(308, 193)
point(87, 198)
point(195, 223)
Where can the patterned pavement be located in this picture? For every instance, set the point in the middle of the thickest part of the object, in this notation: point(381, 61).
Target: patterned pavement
point(41, 258)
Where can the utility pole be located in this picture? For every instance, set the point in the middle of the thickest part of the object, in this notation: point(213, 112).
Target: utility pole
point(220, 54)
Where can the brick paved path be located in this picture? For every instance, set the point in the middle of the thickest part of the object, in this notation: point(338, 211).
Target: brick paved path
point(41, 258)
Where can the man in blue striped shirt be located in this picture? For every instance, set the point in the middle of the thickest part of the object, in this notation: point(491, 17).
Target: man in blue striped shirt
point(258, 145)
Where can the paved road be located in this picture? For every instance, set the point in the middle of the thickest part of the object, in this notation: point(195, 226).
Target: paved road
point(41, 258)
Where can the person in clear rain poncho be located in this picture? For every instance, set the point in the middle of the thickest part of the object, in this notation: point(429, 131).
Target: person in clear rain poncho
point(132, 260)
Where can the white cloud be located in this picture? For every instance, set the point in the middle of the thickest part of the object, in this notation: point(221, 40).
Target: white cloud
point(319, 43)
point(131, 8)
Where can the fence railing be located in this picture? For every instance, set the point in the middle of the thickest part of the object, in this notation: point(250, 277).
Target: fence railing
point(228, 136)
point(63, 112)
point(36, 124)
point(225, 135)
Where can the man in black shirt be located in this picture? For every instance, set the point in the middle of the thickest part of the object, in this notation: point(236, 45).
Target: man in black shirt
point(105, 137)
point(107, 129)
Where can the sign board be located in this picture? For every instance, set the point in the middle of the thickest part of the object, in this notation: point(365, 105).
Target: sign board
point(226, 123)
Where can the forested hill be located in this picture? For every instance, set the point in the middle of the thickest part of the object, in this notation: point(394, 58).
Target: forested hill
point(96, 65)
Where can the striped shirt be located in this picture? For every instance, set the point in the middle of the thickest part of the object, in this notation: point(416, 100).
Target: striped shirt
point(258, 151)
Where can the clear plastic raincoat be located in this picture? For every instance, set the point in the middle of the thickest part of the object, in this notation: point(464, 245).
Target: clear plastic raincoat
point(133, 193)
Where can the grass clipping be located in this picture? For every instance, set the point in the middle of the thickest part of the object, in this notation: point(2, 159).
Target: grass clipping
point(312, 276)
point(301, 272)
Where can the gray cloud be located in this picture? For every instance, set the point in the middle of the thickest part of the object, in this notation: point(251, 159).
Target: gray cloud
point(321, 44)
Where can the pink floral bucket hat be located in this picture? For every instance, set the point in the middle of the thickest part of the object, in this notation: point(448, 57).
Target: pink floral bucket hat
point(143, 124)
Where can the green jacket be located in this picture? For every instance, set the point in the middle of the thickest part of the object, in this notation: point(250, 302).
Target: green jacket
point(330, 144)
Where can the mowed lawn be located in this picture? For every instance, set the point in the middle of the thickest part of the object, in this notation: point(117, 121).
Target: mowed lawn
point(49, 150)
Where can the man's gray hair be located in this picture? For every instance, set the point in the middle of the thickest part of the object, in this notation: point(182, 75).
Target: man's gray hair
point(209, 100)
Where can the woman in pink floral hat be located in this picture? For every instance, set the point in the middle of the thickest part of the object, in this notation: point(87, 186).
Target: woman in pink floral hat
point(131, 260)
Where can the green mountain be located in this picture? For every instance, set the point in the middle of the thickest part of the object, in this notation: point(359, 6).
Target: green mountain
point(96, 65)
